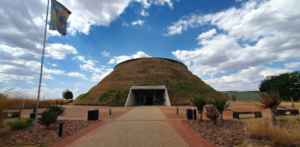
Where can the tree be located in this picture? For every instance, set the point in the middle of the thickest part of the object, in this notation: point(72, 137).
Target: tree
point(271, 101)
point(287, 84)
point(67, 94)
point(221, 104)
point(199, 102)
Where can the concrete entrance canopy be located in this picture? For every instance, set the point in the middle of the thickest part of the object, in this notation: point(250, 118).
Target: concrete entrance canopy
point(148, 95)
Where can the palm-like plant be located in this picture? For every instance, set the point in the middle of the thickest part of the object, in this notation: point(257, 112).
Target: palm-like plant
point(199, 102)
point(271, 101)
point(212, 114)
point(59, 110)
point(221, 104)
point(47, 118)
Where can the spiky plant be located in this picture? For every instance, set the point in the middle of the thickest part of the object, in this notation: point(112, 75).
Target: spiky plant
point(199, 102)
point(271, 101)
point(47, 118)
point(59, 110)
point(221, 104)
point(212, 114)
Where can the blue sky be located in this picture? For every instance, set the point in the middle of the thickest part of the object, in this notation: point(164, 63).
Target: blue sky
point(229, 44)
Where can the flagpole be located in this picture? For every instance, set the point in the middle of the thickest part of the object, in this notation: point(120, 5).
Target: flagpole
point(41, 72)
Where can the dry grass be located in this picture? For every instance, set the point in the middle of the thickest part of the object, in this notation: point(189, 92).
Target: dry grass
point(286, 133)
point(287, 104)
point(11, 98)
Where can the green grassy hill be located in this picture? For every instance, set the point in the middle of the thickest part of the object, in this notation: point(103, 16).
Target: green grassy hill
point(182, 85)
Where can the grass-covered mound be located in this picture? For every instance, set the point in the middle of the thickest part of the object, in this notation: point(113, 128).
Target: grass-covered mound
point(182, 85)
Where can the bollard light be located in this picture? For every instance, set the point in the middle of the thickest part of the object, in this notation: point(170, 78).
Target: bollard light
point(61, 123)
point(177, 110)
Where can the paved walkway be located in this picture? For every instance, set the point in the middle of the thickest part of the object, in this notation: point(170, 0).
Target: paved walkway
point(144, 126)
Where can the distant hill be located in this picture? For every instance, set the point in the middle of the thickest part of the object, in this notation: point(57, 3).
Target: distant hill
point(182, 85)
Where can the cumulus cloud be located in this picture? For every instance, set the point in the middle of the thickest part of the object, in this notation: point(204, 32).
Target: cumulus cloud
point(144, 13)
point(98, 77)
point(147, 3)
point(49, 77)
point(207, 34)
point(119, 59)
point(59, 51)
point(89, 66)
point(246, 79)
point(138, 22)
point(77, 75)
point(54, 65)
point(258, 33)
point(105, 54)
point(223, 52)
point(292, 65)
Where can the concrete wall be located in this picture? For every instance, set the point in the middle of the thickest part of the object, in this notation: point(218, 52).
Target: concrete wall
point(130, 98)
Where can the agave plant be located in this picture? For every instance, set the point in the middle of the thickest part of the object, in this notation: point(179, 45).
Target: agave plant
point(199, 102)
point(47, 118)
point(59, 110)
point(271, 101)
point(221, 104)
point(212, 114)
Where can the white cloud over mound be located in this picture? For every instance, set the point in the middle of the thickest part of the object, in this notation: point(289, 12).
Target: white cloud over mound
point(119, 59)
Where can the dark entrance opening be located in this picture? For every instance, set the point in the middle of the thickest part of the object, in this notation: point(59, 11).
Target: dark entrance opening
point(149, 100)
point(149, 97)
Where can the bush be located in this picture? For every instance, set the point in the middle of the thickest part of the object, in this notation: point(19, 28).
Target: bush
point(29, 120)
point(19, 125)
point(59, 110)
point(47, 118)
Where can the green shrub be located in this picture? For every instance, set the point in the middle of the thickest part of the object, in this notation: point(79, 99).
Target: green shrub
point(47, 118)
point(18, 125)
point(59, 110)
point(29, 121)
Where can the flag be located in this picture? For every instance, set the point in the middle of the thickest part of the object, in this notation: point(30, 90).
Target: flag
point(59, 17)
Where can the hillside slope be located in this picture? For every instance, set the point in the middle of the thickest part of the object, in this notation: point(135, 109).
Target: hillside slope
point(182, 85)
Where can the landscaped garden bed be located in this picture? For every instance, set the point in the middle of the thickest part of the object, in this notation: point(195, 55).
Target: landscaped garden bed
point(45, 136)
point(226, 133)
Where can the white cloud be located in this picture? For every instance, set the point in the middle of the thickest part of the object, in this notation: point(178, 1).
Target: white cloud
point(138, 22)
point(80, 58)
point(89, 66)
point(59, 51)
point(105, 54)
point(292, 65)
point(96, 77)
point(49, 77)
point(53, 71)
point(246, 79)
point(207, 34)
point(77, 84)
point(77, 75)
point(144, 13)
point(119, 59)
point(140, 54)
point(253, 35)
point(147, 3)
point(54, 65)
point(125, 24)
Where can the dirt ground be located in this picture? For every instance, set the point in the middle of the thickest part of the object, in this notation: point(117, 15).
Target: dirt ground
point(80, 112)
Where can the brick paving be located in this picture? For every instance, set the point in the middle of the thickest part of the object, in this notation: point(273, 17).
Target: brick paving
point(144, 126)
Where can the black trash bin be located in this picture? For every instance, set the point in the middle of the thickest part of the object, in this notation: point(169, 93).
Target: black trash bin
point(189, 114)
point(93, 114)
point(32, 115)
